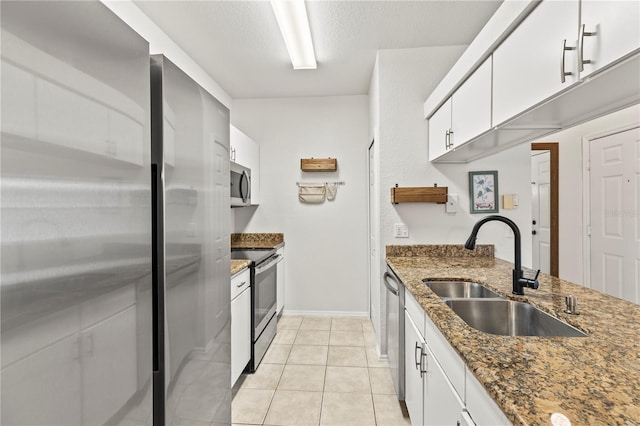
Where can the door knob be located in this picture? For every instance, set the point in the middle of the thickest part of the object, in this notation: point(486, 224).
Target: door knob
point(534, 232)
point(533, 222)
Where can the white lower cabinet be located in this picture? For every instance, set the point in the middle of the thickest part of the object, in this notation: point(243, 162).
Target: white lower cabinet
point(439, 389)
point(429, 395)
point(240, 323)
point(414, 386)
point(479, 402)
point(442, 405)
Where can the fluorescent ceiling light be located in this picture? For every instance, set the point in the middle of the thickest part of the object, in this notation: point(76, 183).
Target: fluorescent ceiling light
point(294, 26)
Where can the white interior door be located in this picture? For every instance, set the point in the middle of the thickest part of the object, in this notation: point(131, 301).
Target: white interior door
point(541, 214)
point(615, 186)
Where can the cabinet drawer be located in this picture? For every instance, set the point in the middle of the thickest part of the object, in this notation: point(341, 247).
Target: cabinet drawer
point(240, 282)
point(414, 310)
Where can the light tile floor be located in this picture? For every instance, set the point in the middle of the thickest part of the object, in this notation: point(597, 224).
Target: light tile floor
point(320, 371)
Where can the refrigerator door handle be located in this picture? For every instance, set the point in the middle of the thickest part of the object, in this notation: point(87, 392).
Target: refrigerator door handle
point(157, 293)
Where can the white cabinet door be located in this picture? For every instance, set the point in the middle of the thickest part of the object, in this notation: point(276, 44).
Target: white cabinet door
point(527, 65)
point(109, 362)
point(442, 406)
point(240, 333)
point(471, 106)
point(615, 31)
point(414, 384)
point(439, 129)
point(481, 406)
point(280, 298)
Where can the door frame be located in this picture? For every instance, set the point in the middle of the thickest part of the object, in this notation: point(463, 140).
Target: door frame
point(554, 255)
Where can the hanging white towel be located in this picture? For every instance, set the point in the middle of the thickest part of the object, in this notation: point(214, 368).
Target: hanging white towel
point(311, 193)
point(332, 190)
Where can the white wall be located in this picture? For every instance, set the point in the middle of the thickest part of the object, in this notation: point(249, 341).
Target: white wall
point(572, 229)
point(325, 244)
point(404, 161)
point(374, 209)
point(405, 79)
point(161, 43)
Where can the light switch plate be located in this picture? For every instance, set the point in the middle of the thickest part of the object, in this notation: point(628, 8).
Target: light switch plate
point(400, 230)
point(452, 203)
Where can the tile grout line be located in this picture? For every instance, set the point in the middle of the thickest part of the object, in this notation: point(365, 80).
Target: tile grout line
point(264, 419)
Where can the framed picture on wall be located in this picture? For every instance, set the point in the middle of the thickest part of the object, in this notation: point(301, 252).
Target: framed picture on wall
point(483, 192)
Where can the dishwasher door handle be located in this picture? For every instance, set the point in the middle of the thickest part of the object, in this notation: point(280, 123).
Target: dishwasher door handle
point(385, 279)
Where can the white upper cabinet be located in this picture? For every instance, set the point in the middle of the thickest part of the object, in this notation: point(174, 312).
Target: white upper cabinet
point(532, 64)
point(609, 31)
point(440, 131)
point(555, 64)
point(246, 152)
point(464, 116)
point(471, 106)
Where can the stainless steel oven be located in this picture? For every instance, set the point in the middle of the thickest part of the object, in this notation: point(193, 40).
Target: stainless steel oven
point(264, 277)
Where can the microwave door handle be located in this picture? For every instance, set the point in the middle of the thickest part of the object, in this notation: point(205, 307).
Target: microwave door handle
point(245, 179)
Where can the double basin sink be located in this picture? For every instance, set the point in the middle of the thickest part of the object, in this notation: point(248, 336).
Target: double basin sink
point(489, 312)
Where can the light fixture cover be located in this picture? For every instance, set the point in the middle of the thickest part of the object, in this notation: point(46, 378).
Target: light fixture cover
point(294, 26)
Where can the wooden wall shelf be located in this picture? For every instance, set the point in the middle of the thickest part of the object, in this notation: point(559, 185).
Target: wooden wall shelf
point(419, 195)
point(318, 164)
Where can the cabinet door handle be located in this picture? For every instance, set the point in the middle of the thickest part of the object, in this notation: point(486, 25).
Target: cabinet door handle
point(563, 73)
point(241, 284)
point(581, 36)
point(447, 139)
point(415, 356)
point(423, 356)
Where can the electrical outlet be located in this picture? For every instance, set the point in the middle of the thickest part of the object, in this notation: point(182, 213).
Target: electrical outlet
point(400, 230)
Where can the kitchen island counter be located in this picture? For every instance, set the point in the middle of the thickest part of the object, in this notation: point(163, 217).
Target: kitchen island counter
point(591, 380)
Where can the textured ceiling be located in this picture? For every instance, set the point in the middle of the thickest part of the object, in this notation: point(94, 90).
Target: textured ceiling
point(239, 44)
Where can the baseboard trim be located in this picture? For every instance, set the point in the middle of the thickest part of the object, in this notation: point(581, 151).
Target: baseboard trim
point(289, 313)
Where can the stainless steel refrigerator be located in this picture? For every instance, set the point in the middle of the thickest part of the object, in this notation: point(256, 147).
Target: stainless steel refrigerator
point(190, 162)
point(93, 291)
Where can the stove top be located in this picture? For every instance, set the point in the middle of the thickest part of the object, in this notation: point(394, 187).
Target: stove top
point(255, 255)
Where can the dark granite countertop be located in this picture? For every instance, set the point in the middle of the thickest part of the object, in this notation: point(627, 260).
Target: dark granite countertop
point(238, 265)
point(591, 380)
point(257, 240)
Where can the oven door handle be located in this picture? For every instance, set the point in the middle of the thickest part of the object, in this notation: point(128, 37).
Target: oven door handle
point(273, 261)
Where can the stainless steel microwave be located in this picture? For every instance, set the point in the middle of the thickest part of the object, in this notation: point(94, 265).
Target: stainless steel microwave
point(240, 185)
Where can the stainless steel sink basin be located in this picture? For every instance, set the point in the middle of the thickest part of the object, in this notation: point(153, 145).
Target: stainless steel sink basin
point(510, 318)
point(460, 289)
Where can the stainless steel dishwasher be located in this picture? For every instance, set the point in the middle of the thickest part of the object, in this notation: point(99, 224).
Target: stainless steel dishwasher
point(395, 329)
